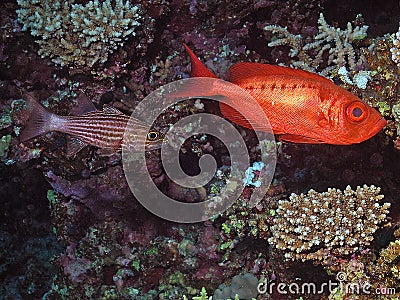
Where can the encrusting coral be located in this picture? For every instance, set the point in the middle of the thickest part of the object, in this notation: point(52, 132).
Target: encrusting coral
point(335, 41)
point(317, 226)
point(76, 34)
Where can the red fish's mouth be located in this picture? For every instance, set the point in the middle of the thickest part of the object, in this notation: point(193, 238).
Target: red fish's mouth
point(378, 127)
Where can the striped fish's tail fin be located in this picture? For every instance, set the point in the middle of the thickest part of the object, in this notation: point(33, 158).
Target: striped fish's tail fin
point(40, 120)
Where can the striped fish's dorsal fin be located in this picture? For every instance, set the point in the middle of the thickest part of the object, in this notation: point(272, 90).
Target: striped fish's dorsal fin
point(83, 106)
point(111, 110)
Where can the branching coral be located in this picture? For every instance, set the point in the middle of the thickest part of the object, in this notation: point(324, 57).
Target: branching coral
point(337, 43)
point(317, 226)
point(395, 50)
point(76, 34)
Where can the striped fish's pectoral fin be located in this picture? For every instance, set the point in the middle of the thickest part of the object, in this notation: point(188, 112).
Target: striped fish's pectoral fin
point(84, 106)
point(111, 110)
point(74, 145)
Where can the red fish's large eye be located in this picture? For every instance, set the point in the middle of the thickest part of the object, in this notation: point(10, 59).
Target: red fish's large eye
point(357, 111)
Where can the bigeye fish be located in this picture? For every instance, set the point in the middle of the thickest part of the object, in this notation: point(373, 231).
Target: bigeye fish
point(89, 126)
point(301, 106)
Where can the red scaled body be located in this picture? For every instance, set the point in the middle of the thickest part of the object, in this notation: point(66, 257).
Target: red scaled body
point(301, 107)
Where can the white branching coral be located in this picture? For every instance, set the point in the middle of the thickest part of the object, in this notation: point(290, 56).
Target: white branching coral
point(332, 224)
point(330, 41)
point(395, 50)
point(76, 34)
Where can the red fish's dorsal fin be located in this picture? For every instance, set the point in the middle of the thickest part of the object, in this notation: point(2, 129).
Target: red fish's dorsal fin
point(244, 70)
point(198, 68)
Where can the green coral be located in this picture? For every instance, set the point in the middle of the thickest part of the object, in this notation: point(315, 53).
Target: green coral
point(76, 34)
point(4, 144)
point(241, 287)
point(202, 296)
point(51, 196)
point(396, 115)
point(6, 119)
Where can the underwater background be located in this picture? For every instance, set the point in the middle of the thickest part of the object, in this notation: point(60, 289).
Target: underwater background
point(328, 226)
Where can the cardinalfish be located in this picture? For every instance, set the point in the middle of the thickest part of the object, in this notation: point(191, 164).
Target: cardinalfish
point(104, 129)
point(301, 106)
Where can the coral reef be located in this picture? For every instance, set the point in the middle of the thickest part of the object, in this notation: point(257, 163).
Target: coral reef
point(76, 228)
point(337, 43)
point(79, 35)
point(333, 224)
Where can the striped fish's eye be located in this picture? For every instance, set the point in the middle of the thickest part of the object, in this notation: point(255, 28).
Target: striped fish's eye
point(152, 135)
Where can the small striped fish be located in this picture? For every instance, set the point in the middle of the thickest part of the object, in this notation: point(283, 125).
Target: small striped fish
point(104, 129)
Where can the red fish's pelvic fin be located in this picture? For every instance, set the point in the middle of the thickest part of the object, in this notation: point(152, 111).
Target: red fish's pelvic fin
point(198, 68)
point(299, 139)
point(40, 120)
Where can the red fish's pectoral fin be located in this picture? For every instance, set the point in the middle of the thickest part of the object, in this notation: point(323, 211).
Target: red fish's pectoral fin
point(84, 106)
point(233, 115)
point(74, 145)
point(299, 139)
point(39, 119)
point(236, 117)
point(198, 69)
point(243, 70)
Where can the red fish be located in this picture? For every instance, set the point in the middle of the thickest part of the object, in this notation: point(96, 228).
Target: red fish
point(301, 106)
point(104, 129)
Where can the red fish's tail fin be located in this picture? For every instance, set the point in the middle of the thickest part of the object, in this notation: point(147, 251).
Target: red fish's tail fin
point(40, 120)
point(198, 68)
